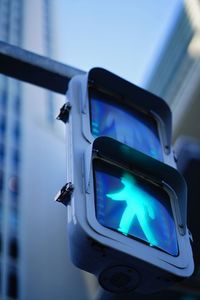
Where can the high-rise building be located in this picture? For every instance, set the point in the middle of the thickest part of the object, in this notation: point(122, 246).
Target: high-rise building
point(175, 76)
point(10, 149)
point(34, 263)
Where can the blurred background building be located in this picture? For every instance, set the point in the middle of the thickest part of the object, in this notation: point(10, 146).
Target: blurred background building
point(33, 245)
point(176, 75)
point(34, 264)
point(176, 78)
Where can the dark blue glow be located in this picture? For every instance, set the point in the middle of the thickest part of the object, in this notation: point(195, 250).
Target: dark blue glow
point(135, 208)
point(125, 125)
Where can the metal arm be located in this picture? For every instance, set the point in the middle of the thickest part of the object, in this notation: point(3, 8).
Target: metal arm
point(36, 69)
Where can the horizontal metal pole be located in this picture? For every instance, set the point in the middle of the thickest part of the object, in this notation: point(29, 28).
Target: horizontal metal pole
point(36, 69)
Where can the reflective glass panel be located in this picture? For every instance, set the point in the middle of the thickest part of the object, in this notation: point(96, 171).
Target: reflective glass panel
point(134, 207)
point(127, 125)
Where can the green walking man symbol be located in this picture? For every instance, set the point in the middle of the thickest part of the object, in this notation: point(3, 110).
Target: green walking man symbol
point(138, 204)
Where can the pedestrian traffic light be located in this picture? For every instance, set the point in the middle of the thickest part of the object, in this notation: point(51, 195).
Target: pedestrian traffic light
point(149, 205)
point(126, 201)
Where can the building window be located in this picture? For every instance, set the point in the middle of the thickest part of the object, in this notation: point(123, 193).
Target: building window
point(16, 158)
point(1, 180)
point(0, 281)
point(2, 125)
point(3, 100)
point(0, 242)
point(13, 247)
point(2, 153)
point(13, 221)
point(16, 130)
point(17, 105)
point(13, 186)
point(12, 288)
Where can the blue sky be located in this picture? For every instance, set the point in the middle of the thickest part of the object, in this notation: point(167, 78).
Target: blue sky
point(124, 37)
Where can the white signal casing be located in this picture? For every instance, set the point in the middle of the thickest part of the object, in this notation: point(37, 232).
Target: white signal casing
point(121, 263)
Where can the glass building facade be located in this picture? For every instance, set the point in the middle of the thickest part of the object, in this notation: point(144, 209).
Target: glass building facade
point(174, 60)
point(175, 76)
point(10, 157)
point(33, 256)
point(11, 138)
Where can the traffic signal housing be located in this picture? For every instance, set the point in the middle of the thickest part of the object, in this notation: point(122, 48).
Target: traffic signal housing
point(127, 203)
